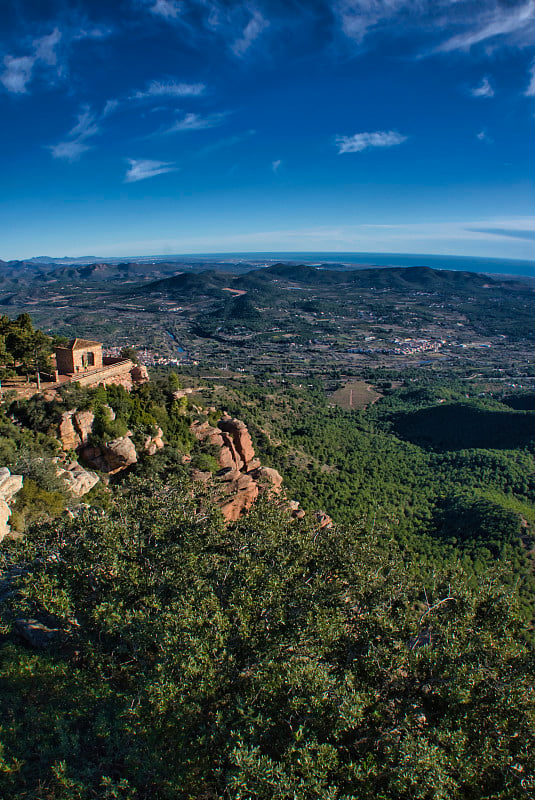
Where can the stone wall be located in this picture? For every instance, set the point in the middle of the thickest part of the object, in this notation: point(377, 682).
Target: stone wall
point(118, 373)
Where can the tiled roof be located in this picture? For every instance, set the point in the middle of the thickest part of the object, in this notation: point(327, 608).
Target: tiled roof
point(81, 344)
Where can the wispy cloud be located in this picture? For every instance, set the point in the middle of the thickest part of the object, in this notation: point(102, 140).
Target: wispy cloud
point(194, 122)
point(170, 89)
point(140, 169)
point(448, 25)
point(86, 126)
point(483, 90)
point(169, 9)
point(530, 91)
point(237, 23)
point(18, 71)
point(511, 233)
point(358, 17)
point(69, 151)
point(256, 25)
point(276, 165)
point(506, 238)
point(75, 144)
point(47, 56)
point(229, 141)
point(501, 20)
point(483, 136)
point(362, 141)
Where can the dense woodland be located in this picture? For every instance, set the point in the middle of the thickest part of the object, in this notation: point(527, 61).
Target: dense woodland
point(390, 656)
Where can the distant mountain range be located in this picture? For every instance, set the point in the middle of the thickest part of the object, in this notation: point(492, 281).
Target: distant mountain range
point(272, 279)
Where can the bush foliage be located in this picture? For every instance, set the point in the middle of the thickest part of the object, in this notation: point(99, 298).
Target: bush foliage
point(267, 659)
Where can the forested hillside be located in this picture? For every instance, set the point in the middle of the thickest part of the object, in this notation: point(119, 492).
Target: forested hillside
point(150, 650)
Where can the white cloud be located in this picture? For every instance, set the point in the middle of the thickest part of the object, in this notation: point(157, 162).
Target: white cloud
point(530, 91)
point(75, 144)
point(110, 107)
point(362, 141)
point(169, 9)
point(483, 136)
point(194, 122)
point(171, 89)
point(276, 165)
point(483, 90)
point(140, 169)
point(358, 17)
point(86, 126)
point(69, 151)
point(45, 48)
point(18, 71)
point(256, 25)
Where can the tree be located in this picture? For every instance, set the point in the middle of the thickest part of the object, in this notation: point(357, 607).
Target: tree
point(130, 353)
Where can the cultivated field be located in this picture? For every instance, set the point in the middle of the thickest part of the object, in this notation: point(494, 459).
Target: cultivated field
point(355, 395)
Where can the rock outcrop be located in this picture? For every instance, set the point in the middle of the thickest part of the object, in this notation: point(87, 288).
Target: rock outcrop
point(9, 486)
point(79, 481)
point(154, 443)
point(243, 491)
point(111, 457)
point(75, 429)
point(240, 438)
point(139, 374)
point(241, 477)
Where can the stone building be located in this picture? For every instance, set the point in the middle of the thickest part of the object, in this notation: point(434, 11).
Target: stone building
point(78, 356)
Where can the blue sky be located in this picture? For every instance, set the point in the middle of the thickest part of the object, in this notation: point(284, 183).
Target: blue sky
point(138, 127)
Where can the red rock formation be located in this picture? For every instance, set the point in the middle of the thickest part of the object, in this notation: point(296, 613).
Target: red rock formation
point(268, 479)
point(241, 438)
point(241, 478)
point(244, 492)
point(139, 374)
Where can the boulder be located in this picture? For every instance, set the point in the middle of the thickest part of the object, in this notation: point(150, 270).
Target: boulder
point(79, 480)
point(244, 492)
point(154, 443)
point(120, 454)
point(5, 513)
point(139, 374)
point(9, 484)
point(112, 457)
point(268, 479)
point(323, 520)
